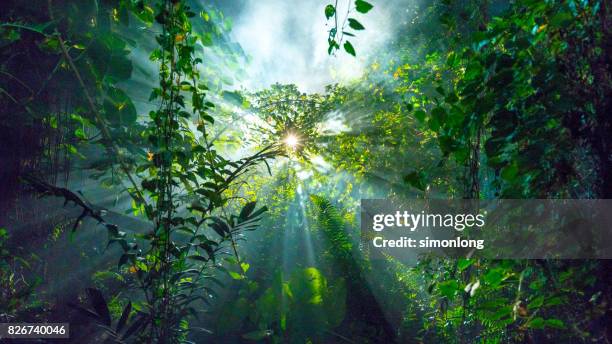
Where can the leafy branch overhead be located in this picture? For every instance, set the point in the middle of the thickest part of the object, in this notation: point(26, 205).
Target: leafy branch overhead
point(342, 25)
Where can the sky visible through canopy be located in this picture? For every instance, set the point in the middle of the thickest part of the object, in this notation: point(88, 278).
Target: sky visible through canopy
point(287, 41)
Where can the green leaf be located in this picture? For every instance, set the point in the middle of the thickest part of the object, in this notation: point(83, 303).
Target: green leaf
point(219, 226)
point(537, 323)
point(494, 277)
point(420, 115)
point(208, 118)
point(53, 122)
point(233, 97)
point(555, 323)
point(439, 114)
point(554, 301)
point(561, 19)
point(79, 133)
point(235, 275)
point(463, 264)
point(119, 68)
point(472, 71)
point(349, 48)
point(246, 211)
point(231, 260)
point(330, 10)
point(448, 288)
point(259, 212)
point(332, 45)
point(509, 172)
point(363, 6)
point(118, 107)
point(355, 25)
point(198, 258)
point(536, 302)
point(206, 39)
point(50, 45)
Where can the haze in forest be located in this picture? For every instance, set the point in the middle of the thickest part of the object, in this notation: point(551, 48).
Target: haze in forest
point(287, 41)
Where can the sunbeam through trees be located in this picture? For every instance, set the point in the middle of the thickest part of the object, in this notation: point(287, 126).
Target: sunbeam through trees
point(192, 171)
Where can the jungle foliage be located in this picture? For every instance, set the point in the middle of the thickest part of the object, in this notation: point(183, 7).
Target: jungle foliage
point(175, 178)
point(516, 98)
point(474, 99)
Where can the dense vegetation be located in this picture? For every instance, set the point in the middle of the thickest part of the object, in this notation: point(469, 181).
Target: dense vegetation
point(180, 208)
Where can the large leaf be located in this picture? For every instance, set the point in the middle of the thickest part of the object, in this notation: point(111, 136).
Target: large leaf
point(246, 211)
point(363, 6)
point(118, 107)
point(463, 264)
point(349, 48)
point(448, 288)
point(355, 25)
point(120, 68)
point(330, 10)
point(494, 277)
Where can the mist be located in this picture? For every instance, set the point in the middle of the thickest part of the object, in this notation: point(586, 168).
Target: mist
point(286, 41)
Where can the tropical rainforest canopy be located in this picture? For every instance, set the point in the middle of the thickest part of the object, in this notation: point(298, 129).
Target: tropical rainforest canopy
point(177, 171)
